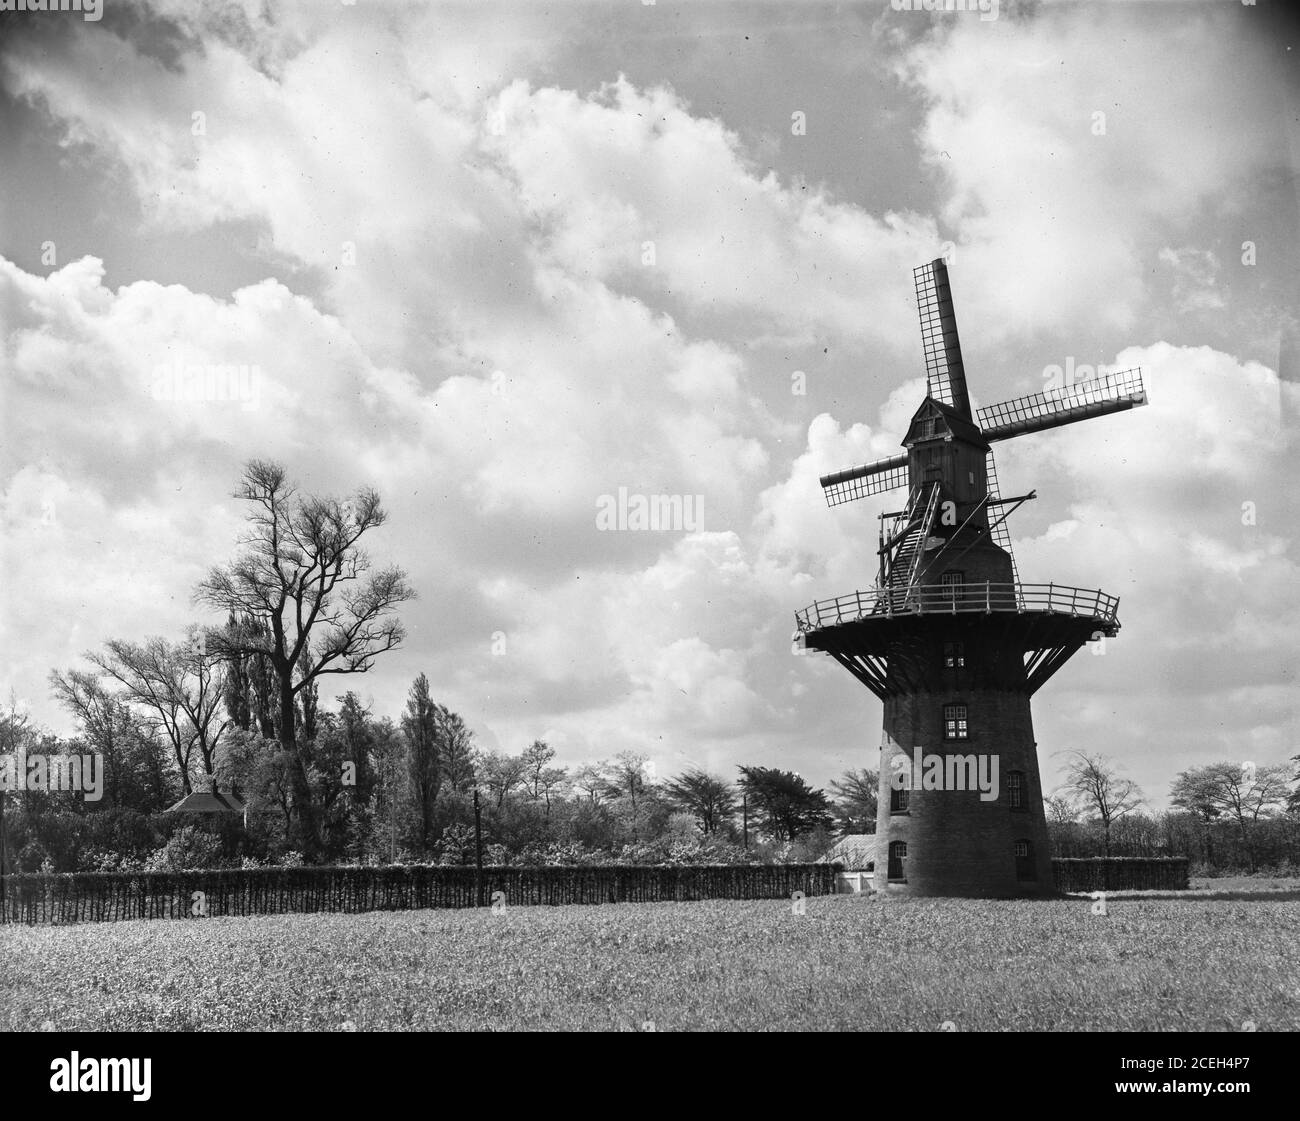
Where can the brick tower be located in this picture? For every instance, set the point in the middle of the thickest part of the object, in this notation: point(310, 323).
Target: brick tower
point(950, 640)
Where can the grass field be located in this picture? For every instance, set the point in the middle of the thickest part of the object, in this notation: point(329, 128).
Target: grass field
point(1212, 960)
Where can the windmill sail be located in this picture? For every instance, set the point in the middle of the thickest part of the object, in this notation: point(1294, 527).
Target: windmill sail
point(945, 376)
point(1111, 393)
point(998, 526)
point(870, 478)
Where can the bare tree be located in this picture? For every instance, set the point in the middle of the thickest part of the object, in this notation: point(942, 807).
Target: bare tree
point(1242, 793)
point(178, 689)
point(1060, 810)
point(105, 718)
point(1194, 792)
point(15, 726)
point(591, 781)
point(630, 779)
point(1094, 781)
point(501, 773)
point(540, 778)
point(304, 577)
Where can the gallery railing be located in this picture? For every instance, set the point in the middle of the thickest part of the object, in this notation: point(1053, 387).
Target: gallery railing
point(943, 599)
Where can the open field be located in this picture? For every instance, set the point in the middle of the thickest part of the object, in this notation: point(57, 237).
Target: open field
point(1209, 960)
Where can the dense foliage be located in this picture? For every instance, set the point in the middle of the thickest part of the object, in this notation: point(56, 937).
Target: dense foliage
point(403, 794)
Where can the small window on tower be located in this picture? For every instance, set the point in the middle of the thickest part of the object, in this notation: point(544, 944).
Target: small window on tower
point(954, 722)
point(954, 655)
point(898, 799)
point(1016, 790)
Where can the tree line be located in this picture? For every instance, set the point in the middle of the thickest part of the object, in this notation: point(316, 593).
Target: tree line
point(236, 708)
point(393, 790)
point(1226, 817)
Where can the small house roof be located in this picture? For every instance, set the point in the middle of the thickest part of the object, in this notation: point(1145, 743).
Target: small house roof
point(854, 850)
point(207, 802)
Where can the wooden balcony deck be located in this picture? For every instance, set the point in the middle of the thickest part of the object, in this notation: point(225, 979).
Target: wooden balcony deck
point(943, 599)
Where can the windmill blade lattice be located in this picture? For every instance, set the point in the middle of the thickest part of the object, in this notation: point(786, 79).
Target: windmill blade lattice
point(945, 375)
point(1001, 535)
point(1111, 393)
point(860, 482)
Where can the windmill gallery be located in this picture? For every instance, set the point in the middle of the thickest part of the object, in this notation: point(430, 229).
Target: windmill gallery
point(949, 638)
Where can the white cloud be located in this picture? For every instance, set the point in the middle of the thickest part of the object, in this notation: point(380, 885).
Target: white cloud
point(498, 356)
point(1064, 152)
point(607, 175)
point(1194, 278)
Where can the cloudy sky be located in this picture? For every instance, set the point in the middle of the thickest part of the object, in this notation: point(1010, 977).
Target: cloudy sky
point(500, 261)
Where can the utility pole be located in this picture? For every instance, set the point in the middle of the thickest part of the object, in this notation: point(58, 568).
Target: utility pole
point(478, 852)
point(392, 811)
point(744, 810)
point(4, 867)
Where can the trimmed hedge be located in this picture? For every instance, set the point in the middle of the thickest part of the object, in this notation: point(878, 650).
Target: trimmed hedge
point(1121, 873)
point(110, 896)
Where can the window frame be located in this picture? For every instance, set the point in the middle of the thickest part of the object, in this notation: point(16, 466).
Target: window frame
point(954, 655)
point(897, 852)
point(958, 725)
point(1016, 787)
point(952, 581)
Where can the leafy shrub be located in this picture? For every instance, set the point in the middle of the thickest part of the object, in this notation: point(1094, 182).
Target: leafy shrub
point(97, 860)
point(188, 848)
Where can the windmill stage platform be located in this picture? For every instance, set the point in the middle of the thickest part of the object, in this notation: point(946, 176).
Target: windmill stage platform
point(868, 632)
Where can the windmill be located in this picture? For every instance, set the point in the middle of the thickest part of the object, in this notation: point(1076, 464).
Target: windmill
point(949, 638)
